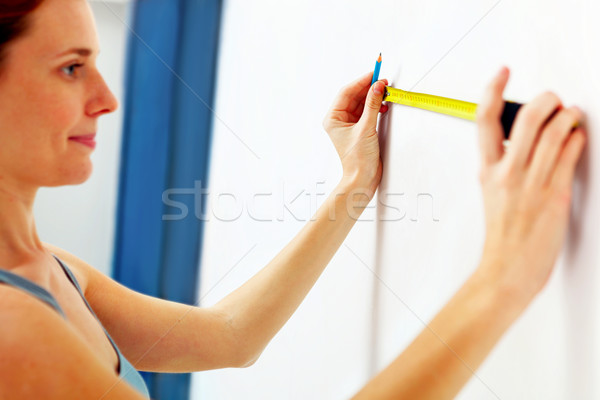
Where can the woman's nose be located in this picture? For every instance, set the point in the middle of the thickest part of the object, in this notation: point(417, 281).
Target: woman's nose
point(104, 101)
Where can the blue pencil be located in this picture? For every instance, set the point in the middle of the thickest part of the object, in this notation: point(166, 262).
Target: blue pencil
point(376, 72)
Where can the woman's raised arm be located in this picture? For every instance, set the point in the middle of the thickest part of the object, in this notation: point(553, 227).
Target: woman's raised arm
point(259, 308)
point(161, 335)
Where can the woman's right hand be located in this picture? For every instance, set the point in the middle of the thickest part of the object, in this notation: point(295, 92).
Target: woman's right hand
point(527, 187)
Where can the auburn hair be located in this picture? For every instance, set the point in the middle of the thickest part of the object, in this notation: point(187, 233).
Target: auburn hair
point(14, 22)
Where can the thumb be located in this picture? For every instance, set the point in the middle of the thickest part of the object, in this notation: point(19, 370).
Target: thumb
point(489, 111)
point(368, 119)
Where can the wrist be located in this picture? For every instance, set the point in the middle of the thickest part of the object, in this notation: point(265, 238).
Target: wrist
point(352, 196)
point(359, 183)
point(514, 295)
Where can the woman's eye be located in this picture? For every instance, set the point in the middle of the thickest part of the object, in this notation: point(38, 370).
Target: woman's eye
point(71, 68)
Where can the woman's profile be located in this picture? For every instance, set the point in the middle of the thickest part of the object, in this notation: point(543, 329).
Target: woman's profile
point(69, 331)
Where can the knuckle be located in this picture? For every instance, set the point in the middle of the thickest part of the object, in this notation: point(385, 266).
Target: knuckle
point(537, 111)
point(547, 97)
point(553, 97)
point(508, 176)
point(507, 182)
point(562, 122)
point(550, 96)
point(563, 194)
point(553, 136)
point(370, 99)
point(505, 177)
point(493, 87)
point(345, 89)
point(575, 114)
point(530, 185)
point(484, 114)
point(373, 103)
point(530, 115)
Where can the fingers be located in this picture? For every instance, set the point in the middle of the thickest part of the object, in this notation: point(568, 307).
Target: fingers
point(565, 168)
point(550, 144)
point(359, 110)
point(349, 104)
point(373, 101)
point(351, 95)
point(489, 111)
point(529, 122)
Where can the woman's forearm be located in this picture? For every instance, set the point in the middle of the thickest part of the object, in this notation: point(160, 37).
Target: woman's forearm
point(258, 309)
point(449, 350)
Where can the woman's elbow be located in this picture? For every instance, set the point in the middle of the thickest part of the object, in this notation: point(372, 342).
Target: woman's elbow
point(246, 358)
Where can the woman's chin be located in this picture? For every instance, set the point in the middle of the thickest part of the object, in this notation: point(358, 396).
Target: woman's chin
point(81, 175)
point(73, 176)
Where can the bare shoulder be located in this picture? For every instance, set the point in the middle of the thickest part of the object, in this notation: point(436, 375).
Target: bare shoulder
point(92, 281)
point(82, 270)
point(43, 356)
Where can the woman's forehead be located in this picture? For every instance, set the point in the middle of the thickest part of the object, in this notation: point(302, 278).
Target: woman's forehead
point(59, 26)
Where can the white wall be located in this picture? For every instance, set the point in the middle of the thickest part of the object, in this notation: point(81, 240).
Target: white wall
point(81, 218)
point(281, 64)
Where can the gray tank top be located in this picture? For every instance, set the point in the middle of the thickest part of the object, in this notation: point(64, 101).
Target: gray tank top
point(126, 371)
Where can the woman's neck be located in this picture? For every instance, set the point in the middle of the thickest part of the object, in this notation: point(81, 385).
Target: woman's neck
point(19, 241)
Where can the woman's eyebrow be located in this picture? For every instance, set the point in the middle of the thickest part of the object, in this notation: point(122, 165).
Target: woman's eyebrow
point(84, 52)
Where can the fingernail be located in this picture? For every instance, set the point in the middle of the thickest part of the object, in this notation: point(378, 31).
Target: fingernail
point(378, 87)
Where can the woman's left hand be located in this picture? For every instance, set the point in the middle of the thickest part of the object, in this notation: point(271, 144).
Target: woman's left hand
point(351, 124)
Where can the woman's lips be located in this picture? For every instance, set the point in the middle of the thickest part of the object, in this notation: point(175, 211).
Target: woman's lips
point(87, 140)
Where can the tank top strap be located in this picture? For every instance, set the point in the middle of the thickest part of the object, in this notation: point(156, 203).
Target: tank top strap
point(126, 370)
point(32, 288)
point(76, 284)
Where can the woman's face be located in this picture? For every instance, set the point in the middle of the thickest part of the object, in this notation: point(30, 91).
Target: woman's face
point(46, 98)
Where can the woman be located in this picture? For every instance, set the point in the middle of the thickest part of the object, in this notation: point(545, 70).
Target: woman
point(51, 95)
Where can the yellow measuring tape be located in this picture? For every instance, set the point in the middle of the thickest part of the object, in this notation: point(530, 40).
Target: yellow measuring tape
point(453, 107)
point(443, 105)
